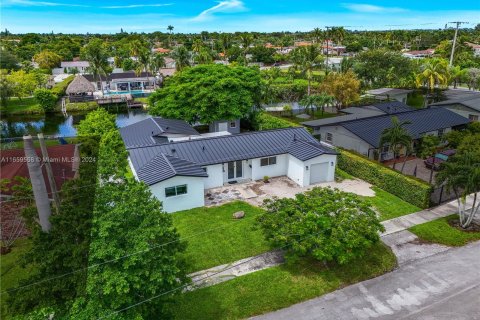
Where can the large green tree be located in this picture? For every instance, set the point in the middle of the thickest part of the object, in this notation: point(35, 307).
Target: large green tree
point(324, 223)
point(307, 59)
point(96, 55)
point(47, 59)
point(208, 93)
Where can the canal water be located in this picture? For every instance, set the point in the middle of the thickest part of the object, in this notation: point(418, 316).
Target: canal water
point(57, 124)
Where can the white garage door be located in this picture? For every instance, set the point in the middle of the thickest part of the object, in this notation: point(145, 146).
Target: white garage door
point(318, 172)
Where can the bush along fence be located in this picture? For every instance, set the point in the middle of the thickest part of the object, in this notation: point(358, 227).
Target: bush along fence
point(410, 189)
point(264, 121)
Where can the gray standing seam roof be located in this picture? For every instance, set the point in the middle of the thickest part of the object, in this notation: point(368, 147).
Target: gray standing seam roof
point(149, 131)
point(470, 99)
point(392, 107)
point(149, 162)
point(422, 121)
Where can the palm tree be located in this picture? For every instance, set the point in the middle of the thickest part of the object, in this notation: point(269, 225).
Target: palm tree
point(170, 30)
point(197, 45)
point(433, 72)
point(226, 41)
point(397, 137)
point(346, 64)
point(204, 56)
point(96, 56)
point(306, 59)
point(318, 35)
point(455, 75)
point(461, 174)
point(182, 58)
point(246, 40)
point(157, 62)
point(316, 100)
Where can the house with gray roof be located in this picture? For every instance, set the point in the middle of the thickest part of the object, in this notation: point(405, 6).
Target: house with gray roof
point(463, 102)
point(179, 172)
point(363, 135)
point(390, 94)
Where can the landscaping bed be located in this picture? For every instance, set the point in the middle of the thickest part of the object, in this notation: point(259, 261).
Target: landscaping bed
point(278, 287)
point(215, 238)
point(446, 231)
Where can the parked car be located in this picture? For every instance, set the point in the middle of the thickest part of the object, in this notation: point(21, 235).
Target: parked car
point(439, 159)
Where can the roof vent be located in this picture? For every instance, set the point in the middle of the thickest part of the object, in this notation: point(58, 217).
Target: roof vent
point(294, 137)
point(203, 148)
point(166, 128)
point(173, 150)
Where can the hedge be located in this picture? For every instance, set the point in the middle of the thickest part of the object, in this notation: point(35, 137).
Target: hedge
point(59, 88)
point(410, 189)
point(264, 121)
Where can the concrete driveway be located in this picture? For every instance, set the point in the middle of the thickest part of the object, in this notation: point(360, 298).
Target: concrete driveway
point(444, 286)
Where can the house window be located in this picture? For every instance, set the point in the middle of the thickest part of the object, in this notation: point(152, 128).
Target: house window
point(385, 148)
point(176, 191)
point(440, 132)
point(268, 161)
point(233, 124)
point(473, 117)
point(329, 137)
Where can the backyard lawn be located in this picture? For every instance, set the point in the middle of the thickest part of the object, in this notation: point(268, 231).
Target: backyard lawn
point(23, 106)
point(11, 272)
point(440, 231)
point(279, 287)
point(215, 238)
point(390, 206)
point(317, 115)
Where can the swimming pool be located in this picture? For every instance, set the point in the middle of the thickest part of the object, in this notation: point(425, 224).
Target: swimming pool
point(134, 93)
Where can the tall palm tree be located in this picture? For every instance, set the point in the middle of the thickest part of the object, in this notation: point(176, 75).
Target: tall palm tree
point(182, 57)
point(170, 30)
point(96, 56)
point(246, 40)
point(461, 174)
point(433, 72)
point(455, 75)
point(204, 56)
point(397, 137)
point(197, 45)
point(306, 59)
point(317, 35)
point(226, 42)
point(157, 61)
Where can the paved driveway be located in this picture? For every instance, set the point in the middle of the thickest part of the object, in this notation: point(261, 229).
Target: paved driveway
point(445, 286)
point(415, 167)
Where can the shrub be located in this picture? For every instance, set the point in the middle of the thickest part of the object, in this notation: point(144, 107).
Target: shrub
point(410, 189)
point(59, 88)
point(264, 121)
point(46, 99)
point(82, 106)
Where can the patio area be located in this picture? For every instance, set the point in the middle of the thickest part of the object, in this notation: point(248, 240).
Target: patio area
point(256, 191)
point(414, 167)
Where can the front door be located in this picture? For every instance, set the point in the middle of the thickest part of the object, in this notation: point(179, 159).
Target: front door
point(234, 170)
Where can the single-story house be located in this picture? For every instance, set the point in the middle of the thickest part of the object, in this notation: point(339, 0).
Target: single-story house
point(419, 54)
point(475, 47)
point(355, 113)
point(70, 67)
point(363, 135)
point(123, 81)
point(64, 160)
point(390, 93)
point(463, 102)
point(179, 172)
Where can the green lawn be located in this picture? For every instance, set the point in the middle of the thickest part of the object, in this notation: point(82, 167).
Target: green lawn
point(317, 115)
point(11, 272)
point(390, 206)
point(440, 231)
point(279, 287)
point(228, 241)
point(23, 106)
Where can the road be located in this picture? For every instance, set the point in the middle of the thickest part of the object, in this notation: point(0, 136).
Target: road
point(445, 286)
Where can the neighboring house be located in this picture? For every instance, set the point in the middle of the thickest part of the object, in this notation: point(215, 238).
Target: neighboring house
point(232, 126)
point(355, 113)
point(419, 54)
point(475, 47)
point(463, 102)
point(123, 81)
point(363, 135)
point(64, 161)
point(178, 173)
point(70, 67)
point(390, 94)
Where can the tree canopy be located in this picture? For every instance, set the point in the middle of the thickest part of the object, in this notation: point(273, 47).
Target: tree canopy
point(325, 223)
point(208, 93)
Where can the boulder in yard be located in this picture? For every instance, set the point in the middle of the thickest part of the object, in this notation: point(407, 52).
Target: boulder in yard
point(238, 215)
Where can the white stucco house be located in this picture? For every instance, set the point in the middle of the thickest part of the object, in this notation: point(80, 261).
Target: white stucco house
point(179, 171)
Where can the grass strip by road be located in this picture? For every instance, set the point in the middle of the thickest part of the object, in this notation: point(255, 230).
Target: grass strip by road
point(441, 231)
point(278, 287)
point(230, 240)
point(390, 206)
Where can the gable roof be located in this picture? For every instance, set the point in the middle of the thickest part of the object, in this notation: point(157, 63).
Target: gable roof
point(391, 107)
point(470, 99)
point(153, 130)
point(202, 152)
point(422, 121)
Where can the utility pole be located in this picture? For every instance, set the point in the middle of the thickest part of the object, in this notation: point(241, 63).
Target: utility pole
point(38, 184)
point(48, 167)
point(458, 23)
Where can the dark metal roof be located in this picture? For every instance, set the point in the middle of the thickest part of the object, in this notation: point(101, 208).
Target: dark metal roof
point(201, 152)
point(391, 107)
point(335, 120)
point(163, 167)
point(470, 99)
point(119, 75)
point(151, 131)
point(421, 121)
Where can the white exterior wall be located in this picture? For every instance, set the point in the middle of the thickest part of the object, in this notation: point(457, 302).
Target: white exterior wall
point(463, 111)
point(193, 199)
point(296, 170)
point(215, 176)
point(341, 137)
point(275, 170)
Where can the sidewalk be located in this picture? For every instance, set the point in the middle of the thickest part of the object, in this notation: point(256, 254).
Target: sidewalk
point(222, 273)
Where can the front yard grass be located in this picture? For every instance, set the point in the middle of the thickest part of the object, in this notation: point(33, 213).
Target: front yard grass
point(215, 238)
point(390, 206)
point(278, 287)
point(440, 231)
point(12, 272)
point(293, 118)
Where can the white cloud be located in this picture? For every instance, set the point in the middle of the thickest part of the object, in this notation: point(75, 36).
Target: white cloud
point(137, 6)
point(369, 8)
point(225, 6)
point(41, 3)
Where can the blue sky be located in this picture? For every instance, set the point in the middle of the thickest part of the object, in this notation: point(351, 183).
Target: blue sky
point(108, 16)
